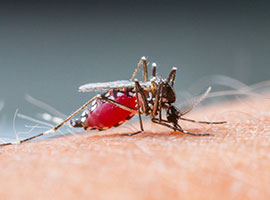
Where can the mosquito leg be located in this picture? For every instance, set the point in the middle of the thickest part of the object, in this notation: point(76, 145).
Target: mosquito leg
point(145, 107)
point(142, 61)
point(156, 102)
point(193, 134)
point(171, 76)
point(138, 109)
point(145, 73)
point(55, 128)
point(155, 120)
point(140, 91)
point(138, 105)
point(137, 69)
point(154, 69)
point(160, 103)
point(128, 109)
point(177, 127)
point(134, 111)
point(202, 122)
point(166, 121)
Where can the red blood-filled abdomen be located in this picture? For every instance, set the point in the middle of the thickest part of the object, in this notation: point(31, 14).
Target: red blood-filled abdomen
point(104, 115)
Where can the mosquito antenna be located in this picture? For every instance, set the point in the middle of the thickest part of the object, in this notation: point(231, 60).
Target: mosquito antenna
point(44, 106)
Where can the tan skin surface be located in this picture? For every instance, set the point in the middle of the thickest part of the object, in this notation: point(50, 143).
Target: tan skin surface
point(157, 164)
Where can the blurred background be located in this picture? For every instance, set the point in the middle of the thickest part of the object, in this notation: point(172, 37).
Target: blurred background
point(48, 49)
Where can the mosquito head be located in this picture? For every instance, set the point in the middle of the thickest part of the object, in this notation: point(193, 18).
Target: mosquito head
point(173, 114)
point(168, 94)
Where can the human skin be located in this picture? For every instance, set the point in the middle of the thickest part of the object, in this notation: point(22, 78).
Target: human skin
point(156, 164)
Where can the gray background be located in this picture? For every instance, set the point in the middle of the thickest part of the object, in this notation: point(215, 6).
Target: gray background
point(48, 49)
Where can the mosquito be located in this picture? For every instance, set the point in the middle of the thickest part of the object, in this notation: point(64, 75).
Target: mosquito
point(125, 98)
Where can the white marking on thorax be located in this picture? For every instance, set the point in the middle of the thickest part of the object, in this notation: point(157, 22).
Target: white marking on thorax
point(119, 94)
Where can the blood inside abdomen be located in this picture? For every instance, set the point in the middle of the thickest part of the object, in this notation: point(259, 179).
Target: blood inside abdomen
point(107, 115)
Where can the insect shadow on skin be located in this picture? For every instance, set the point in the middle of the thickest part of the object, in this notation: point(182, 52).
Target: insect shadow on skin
point(125, 98)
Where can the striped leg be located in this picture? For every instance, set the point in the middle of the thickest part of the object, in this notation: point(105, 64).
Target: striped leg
point(145, 74)
point(171, 76)
point(177, 127)
point(53, 129)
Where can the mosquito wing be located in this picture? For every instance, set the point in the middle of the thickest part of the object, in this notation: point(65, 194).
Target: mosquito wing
point(106, 86)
